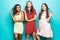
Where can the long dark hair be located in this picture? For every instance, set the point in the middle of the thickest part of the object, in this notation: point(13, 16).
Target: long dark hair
point(26, 8)
point(47, 15)
point(14, 9)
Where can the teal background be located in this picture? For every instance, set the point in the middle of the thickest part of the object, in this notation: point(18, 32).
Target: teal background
point(6, 22)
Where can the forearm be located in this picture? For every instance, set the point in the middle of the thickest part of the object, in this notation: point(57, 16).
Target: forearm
point(50, 15)
point(39, 24)
point(19, 20)
point(48, 19)
point(13, 18)
point(22, 17)
point(27, 20)
point(32, 19)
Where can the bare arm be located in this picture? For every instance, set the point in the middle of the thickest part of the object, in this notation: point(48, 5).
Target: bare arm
point(26, 17)
point(33, 18)
point(13, 18)
point(39, 25)
point(50, 15)
point(22, 17)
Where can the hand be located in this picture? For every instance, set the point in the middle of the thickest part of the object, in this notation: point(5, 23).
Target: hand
point(14, 19)
point(39, 29)
point(28, 20)
point(11, 12)
point(47, 19)
point(51, 14)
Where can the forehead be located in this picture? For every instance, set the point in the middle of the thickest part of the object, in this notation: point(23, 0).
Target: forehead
point(29, 2)
point(43, 4)
point(17, 6)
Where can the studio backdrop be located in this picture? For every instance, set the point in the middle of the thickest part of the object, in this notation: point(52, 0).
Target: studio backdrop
point(6, 22)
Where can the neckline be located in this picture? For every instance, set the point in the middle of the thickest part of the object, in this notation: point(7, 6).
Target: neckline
point(18, 14)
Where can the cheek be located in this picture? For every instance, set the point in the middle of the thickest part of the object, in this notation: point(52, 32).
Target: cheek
point(18, 9)
point(29, 5)
point(43, 8)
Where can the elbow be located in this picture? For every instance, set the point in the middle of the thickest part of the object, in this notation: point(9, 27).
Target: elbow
point(22, 19)
point(14, 21)
point(35, 18)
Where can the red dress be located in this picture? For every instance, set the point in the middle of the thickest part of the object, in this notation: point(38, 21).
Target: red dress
point(30, 26)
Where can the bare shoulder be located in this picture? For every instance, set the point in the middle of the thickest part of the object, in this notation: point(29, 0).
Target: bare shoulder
point(14, 15)
point(22, 12)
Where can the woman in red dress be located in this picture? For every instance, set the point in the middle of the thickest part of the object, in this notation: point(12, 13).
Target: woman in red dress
point(30, 17)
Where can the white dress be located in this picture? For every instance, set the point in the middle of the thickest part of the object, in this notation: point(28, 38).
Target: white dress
point(18, 26)
point(45, 27)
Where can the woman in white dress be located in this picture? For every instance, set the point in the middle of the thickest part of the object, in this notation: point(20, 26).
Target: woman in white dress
point(18, 18)
point(44, 24)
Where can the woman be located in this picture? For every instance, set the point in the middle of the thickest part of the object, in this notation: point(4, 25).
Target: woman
point(44, 23)
point(18, 18)
point(30, 17)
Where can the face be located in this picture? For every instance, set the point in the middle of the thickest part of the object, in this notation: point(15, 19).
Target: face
point(29, 4)
point(18, 8)
point(43, 7)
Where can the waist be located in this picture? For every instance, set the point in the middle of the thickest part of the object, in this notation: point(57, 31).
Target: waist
point(18, 22)
point(30, 21)
point(43, 20)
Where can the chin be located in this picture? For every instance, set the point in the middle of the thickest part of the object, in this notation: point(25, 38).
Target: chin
point(43, 9)
point(18, 10)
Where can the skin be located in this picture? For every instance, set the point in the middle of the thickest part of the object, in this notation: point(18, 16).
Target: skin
point(43, 7)
point(29, 4)
point(21, 20)
point(50, 14)
point(34, 34)
point(48, 19)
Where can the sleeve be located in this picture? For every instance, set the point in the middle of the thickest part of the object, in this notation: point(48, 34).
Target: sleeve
point(34, 12)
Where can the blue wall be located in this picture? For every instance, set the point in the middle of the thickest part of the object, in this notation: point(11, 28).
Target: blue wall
point(6, 23)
